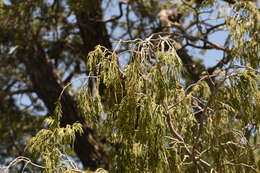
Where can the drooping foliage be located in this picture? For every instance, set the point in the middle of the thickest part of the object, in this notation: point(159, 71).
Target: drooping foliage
point(50, 144)
point(147, 103)
point(150, 116)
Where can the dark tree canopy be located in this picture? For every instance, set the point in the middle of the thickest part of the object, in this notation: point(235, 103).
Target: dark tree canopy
point(126, 86)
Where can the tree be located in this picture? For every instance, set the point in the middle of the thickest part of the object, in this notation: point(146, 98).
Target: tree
point(149, 103)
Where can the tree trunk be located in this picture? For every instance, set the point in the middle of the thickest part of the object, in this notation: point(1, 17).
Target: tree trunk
point(48, 87)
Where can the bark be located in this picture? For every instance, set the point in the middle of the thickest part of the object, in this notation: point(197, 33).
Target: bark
point(48, 87)
point(92, 28)
point(191, 67)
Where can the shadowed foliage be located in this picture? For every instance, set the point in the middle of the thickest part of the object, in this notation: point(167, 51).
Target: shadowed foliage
point(125, 86)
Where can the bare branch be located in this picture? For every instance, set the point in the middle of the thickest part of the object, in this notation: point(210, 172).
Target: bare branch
point(10, 93)
point(113, 18)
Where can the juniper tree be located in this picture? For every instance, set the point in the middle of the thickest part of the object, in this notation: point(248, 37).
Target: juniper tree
point(147, 103)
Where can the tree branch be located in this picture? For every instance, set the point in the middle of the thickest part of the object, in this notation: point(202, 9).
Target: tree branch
point(11, 93)
point(113, 18)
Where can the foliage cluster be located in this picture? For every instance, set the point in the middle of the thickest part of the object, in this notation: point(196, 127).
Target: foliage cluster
point(162, 111)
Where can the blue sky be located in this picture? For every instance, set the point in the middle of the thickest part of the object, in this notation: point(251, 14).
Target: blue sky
point(210, 58)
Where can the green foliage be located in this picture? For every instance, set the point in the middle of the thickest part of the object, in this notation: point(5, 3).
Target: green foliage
point(148, 116)
point(135, 118)
point(50, 144)
point(152, 113)
point(244, 27)
point(16, 127)
point(138, 98)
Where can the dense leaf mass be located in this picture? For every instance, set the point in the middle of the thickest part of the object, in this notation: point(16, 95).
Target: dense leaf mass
point(161, 86)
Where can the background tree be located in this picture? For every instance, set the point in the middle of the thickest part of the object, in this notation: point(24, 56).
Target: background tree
point(149, 104)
